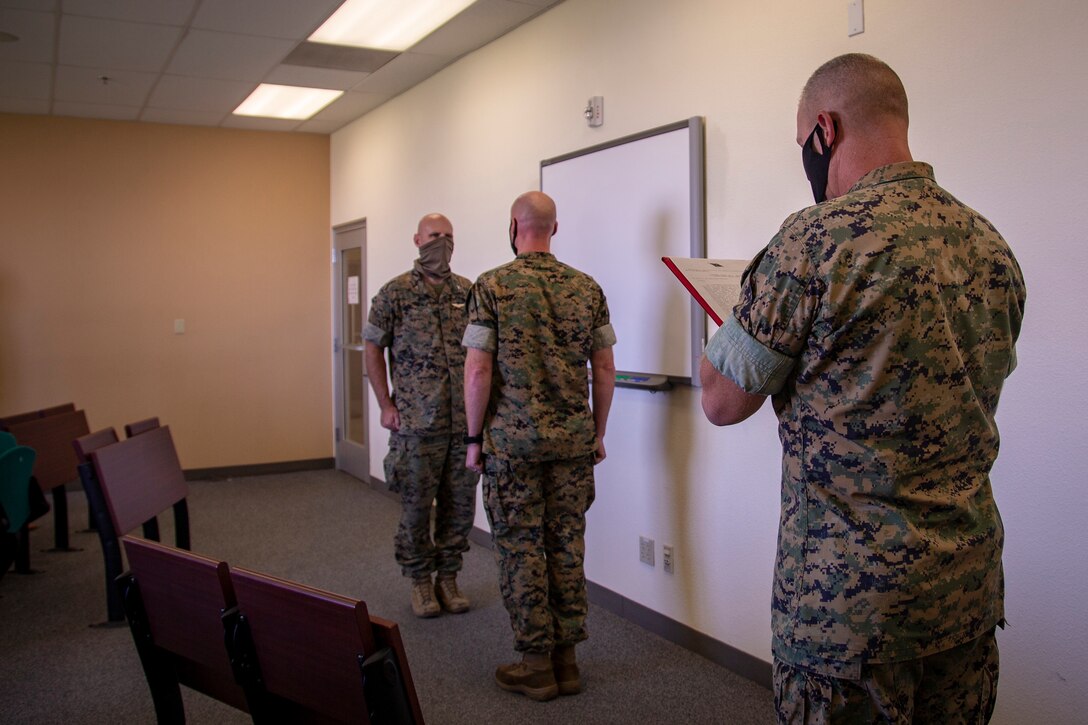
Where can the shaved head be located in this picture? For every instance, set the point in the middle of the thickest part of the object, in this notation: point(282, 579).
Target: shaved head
point(434, 222)
point(432, 226)
point(859, 107)
point(534, 212)
point(860, 88)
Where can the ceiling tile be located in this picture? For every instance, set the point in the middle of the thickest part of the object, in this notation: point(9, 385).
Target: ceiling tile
point(199, 94)
point(182, 117)
point(274, 18)
point(322, 127)
point(478, 25)
point(91, 110)
point(23, 105)
point(26, 80)
point(43, 5)
point(350, 106)
point(114, 44)
point(231, 57)
point(340, 57)
point(260, 124)
point(84, 85)
point(193, 61)
point(37, 36)
point(298, 75)
point(401, 73)
point(165, 12)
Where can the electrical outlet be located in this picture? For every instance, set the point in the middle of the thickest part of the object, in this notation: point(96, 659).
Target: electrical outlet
point(646, 550)
point(667, 560)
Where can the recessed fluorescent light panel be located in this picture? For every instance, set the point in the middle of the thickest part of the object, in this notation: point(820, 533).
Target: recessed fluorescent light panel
point(295, 102)
point(386, 24)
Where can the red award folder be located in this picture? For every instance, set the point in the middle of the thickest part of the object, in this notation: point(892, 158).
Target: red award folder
point(713, 283)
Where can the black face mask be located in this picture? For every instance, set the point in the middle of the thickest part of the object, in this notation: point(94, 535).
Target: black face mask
point(514, 235)
point(816, 164)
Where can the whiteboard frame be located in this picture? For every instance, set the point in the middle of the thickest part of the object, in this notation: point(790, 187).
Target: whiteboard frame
point(696, 126)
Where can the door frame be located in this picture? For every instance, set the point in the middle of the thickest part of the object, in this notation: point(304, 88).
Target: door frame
point(351, 457)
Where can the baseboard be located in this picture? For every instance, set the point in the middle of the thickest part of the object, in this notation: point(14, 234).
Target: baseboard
point(258, 469)
point(480, 537)
point(379, 486)
point(731, 658)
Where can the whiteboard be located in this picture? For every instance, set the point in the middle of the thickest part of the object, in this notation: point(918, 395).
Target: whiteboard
point(621, 206)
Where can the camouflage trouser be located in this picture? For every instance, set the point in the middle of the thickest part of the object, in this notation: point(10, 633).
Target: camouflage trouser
point(954, 687)
point(537, 513)
point(422, 471)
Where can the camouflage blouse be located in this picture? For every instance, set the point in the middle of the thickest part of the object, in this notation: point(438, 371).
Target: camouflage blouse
point(423, 326)
point(542, 319)
point(883, 323)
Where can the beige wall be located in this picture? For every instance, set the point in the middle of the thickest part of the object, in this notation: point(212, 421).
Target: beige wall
point(998, 96)
point(112, 230)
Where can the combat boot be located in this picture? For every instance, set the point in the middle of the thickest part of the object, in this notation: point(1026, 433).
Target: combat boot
point(566, 670)
point(448, 595)
point(423, 601)
point(532, 677)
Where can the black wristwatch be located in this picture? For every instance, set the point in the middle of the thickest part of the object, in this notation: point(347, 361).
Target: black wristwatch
point(469, 440)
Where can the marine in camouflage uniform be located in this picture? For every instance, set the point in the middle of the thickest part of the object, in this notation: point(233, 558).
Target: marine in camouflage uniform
point(533, 325)
point(883, 325)
point(420, 319)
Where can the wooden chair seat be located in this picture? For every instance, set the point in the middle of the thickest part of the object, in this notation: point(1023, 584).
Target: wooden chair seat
point(320, 652)
point(174, 602)
point(51, 436)
point(292, 653)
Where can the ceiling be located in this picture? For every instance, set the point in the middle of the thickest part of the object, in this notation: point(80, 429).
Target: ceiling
point(194, 61)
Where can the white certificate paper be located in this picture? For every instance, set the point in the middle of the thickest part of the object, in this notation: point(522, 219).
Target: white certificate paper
point(714, 283)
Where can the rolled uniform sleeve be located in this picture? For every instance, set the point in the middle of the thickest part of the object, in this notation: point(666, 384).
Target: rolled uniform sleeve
point(603, 335)
point(481, 333)
point(758, 346)
point(380, 321)
point(757, 369)
point(378, 336)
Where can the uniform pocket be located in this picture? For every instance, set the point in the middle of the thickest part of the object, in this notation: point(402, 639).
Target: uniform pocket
point(393, 466)
point(496, 514)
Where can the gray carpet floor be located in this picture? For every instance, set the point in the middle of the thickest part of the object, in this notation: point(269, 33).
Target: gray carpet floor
point(329, 530)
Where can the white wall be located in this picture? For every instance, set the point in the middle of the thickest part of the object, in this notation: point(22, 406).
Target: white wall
point(998, 95)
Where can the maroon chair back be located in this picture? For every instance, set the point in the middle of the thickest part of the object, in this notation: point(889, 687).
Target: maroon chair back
point(387, 634)
point(140, 478)
point(92, 442)
point(35, 414)
point(52, 438)
point(65, 408)
point(307, 643)
point(10, 420)
point(141, 426)
point(183, 595)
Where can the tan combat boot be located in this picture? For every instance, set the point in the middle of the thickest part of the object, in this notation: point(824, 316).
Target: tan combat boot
point(532, 677)
point(566, 670)
point(448, 595)
point(423, 602)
